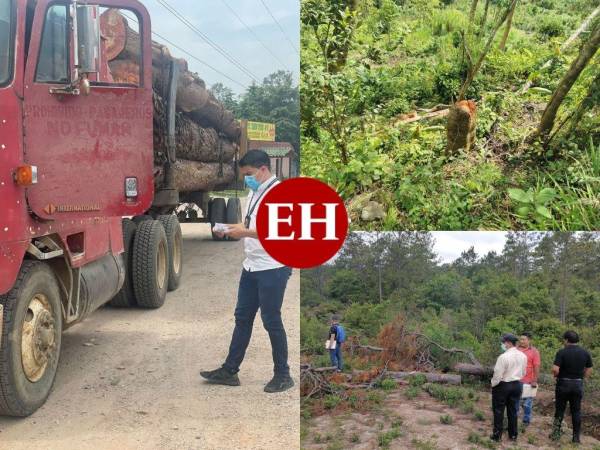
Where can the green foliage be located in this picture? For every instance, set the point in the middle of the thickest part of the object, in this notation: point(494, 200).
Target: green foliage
point(331, 401)
point(412, 392)
point(388, 384)
point(417, 380)
point(276, 100)
point(533, 204)
point(366, 64)
point(446, 419)
point(385, 439)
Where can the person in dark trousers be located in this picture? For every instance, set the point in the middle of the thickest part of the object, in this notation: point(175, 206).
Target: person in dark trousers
point(262, 285)
point(506, 387)
point(337, 334)
point(571, 365)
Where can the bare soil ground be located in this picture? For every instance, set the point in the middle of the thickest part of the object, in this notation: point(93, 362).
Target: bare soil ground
point(419, 426)
point(128, 379)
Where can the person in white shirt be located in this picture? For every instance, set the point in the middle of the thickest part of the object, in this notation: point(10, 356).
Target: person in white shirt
point(262, 285)
point(506, 387)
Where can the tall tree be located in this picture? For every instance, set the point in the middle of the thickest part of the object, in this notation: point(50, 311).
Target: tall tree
point(509, 21)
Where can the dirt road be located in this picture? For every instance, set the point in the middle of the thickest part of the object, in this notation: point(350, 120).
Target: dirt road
point(128, 379)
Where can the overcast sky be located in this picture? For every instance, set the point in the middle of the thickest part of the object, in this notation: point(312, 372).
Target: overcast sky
point(217, 22)
point(450, 244)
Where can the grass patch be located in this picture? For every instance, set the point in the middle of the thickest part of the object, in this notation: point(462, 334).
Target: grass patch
point(446, 419)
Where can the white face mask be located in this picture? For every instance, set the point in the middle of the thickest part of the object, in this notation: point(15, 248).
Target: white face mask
point(503, 347)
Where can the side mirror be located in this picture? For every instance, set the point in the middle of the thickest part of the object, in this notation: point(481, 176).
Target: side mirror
point(88, 39)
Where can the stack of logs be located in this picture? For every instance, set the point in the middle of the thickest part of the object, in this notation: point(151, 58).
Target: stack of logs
point(206, 134)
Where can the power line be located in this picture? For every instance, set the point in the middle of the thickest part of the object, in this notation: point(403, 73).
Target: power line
point(190, 54)
point(280, 27)
point(205, 38)
point(253, 33)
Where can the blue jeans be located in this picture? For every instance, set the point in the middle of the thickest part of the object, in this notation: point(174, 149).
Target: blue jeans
point(262, 289)
point(336, 356)
point(527, 405)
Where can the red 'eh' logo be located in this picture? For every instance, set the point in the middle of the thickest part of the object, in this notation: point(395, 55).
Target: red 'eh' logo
point(302, 222)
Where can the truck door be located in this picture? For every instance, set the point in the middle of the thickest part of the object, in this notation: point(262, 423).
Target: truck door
point(86, 146)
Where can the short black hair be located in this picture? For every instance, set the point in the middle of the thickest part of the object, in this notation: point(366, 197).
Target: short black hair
point(509, 337)
point(527, 334)
point(571, 337)
point(256, 159)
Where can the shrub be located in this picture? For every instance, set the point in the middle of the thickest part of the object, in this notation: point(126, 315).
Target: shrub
point(331, 401)
point(412, 392)
point(446, 419)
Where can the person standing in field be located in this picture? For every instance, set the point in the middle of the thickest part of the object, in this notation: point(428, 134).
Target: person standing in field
point(262, 285)
point(530, 379)
point(506, 387)
point(336, 338)
point(571, 365)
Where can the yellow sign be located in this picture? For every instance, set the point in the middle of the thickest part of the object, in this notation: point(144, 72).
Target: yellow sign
point(258, 131)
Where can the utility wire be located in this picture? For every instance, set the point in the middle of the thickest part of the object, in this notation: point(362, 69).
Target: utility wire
point(253, 33)
point(280, 27)
point(190, 54)
point(206, 39)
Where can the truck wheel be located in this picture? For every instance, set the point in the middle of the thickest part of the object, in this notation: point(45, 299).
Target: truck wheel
point(138, 219)
point(150, 273)
point(30, 339)
point(126, 297)
point(175, 241)
point(234, 212)
point(218, 214)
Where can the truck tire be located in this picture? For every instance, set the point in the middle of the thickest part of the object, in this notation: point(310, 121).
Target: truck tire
point(30, 339)
point(175, 241)
point(150, 272)
point(143, 217)
point(218, 214)
point(126, 297)
point(233, 213)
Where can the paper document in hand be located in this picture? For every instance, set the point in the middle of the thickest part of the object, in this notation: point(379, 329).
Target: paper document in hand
point(220, 228)
point(529, 391)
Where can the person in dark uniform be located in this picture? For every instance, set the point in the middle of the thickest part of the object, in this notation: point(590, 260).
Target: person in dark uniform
point(571, 365)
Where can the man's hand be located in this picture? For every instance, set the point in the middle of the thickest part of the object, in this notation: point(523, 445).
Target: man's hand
point(238, 231)
point(534, 384)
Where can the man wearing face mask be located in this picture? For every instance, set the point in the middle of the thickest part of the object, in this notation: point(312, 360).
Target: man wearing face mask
point(262, 285)
point(506, 386)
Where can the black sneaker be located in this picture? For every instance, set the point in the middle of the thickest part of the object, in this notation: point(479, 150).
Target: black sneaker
point(513, 438)
point(279, 383)
point(576, 440)
point(495, 438)
point(221, 376)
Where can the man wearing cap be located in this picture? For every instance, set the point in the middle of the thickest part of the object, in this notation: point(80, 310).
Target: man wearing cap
point(531, 375)
point(506, 387)
point(571, 365)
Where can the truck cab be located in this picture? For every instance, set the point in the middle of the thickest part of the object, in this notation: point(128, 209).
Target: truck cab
point(76, 182)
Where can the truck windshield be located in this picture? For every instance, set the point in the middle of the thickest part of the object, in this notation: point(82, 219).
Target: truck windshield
point(6, 40)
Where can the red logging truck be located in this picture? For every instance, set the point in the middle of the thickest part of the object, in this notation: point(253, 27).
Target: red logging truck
point(86, 206)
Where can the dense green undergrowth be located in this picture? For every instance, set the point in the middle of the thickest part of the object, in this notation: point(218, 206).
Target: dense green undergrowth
point(408, 55)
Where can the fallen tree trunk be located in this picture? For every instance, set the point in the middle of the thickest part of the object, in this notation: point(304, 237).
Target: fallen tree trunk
point(191, 176)
point(431, 377)
point(474, 369)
